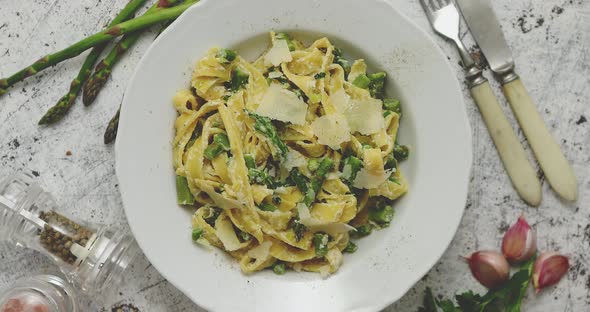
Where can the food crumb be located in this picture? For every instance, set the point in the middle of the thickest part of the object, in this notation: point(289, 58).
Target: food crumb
point(557, 10)
point(68, 153)
point(125, 308)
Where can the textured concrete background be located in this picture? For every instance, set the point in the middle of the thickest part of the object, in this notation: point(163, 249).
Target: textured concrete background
point(550, 42)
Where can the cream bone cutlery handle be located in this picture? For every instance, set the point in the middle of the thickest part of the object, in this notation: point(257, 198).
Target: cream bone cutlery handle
point(557, 169)
point(514, 158)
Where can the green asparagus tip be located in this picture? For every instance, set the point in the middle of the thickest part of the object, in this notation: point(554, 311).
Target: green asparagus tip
point(57, 112)
point(91, 89)
point(111, 132)
point(196, 234)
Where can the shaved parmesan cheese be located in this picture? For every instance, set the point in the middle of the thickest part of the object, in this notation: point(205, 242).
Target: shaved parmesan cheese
point(281, 104)
point(333, 175)
point(331, 130)
point(278, 53)
point(363, 115)
point(334, 257)
point(226, 234)
point(220, 201)
point(366, 179)
point(332, 228)
point(260, 252)
point(303, 212)
point(324, 271)
point(275, 74)
point(293, 159)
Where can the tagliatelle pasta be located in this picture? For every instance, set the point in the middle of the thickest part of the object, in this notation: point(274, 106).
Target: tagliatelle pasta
point(287, 158)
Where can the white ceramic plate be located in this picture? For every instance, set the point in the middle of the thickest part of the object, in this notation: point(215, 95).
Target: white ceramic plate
point(434, 124)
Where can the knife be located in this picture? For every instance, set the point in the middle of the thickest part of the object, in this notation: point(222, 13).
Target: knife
point(485, 28)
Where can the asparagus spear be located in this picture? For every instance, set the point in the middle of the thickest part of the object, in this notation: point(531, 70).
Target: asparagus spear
point(94, 40)
point(59, 110)
point(111, 133)
point(104, 67)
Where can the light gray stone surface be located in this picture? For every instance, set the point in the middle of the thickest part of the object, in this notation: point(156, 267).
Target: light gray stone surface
point(550, 42)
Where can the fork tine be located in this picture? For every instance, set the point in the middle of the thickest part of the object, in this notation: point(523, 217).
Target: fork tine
point(429, 6)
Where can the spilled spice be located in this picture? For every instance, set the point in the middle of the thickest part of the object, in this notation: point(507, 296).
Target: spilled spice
point(125, 308)
point(528, 21)
point(478, 57)
point(557, 10)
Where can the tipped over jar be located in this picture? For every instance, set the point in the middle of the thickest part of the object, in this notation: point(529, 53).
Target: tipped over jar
point(92, 257)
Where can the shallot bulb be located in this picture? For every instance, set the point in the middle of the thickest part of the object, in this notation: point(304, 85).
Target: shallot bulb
point(489, 268)
point(519, 243)
point(548, 270)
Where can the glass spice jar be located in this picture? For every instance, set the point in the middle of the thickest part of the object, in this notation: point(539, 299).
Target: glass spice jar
point(92, 257)
point(39, 293)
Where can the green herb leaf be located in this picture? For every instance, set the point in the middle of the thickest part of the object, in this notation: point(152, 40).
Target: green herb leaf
point(324, 167)
point(239, 78)
point(244, 236)
point(226, 56)
point(313, 164)
point(267, 207)
point(264, 125)
point(507, 298)
point(320, 243)
point(401, 152)
point(215, 212)
point(262, 177)
point(319, 75)
point(298, 228)
point(340, 60)
point(362, 230)
point(428, 303)
point(352, 166)
point(350, 248)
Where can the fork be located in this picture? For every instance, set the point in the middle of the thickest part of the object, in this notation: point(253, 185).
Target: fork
point(444, 19)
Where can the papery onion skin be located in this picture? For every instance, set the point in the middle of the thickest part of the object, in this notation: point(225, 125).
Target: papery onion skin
point(519, 243)
point(549, 269)
point(490, 268)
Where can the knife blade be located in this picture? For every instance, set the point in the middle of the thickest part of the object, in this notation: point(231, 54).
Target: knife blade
point(486, 30)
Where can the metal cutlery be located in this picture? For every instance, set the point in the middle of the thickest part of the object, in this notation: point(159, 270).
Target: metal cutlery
point(444, 18)
point(486, 30)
